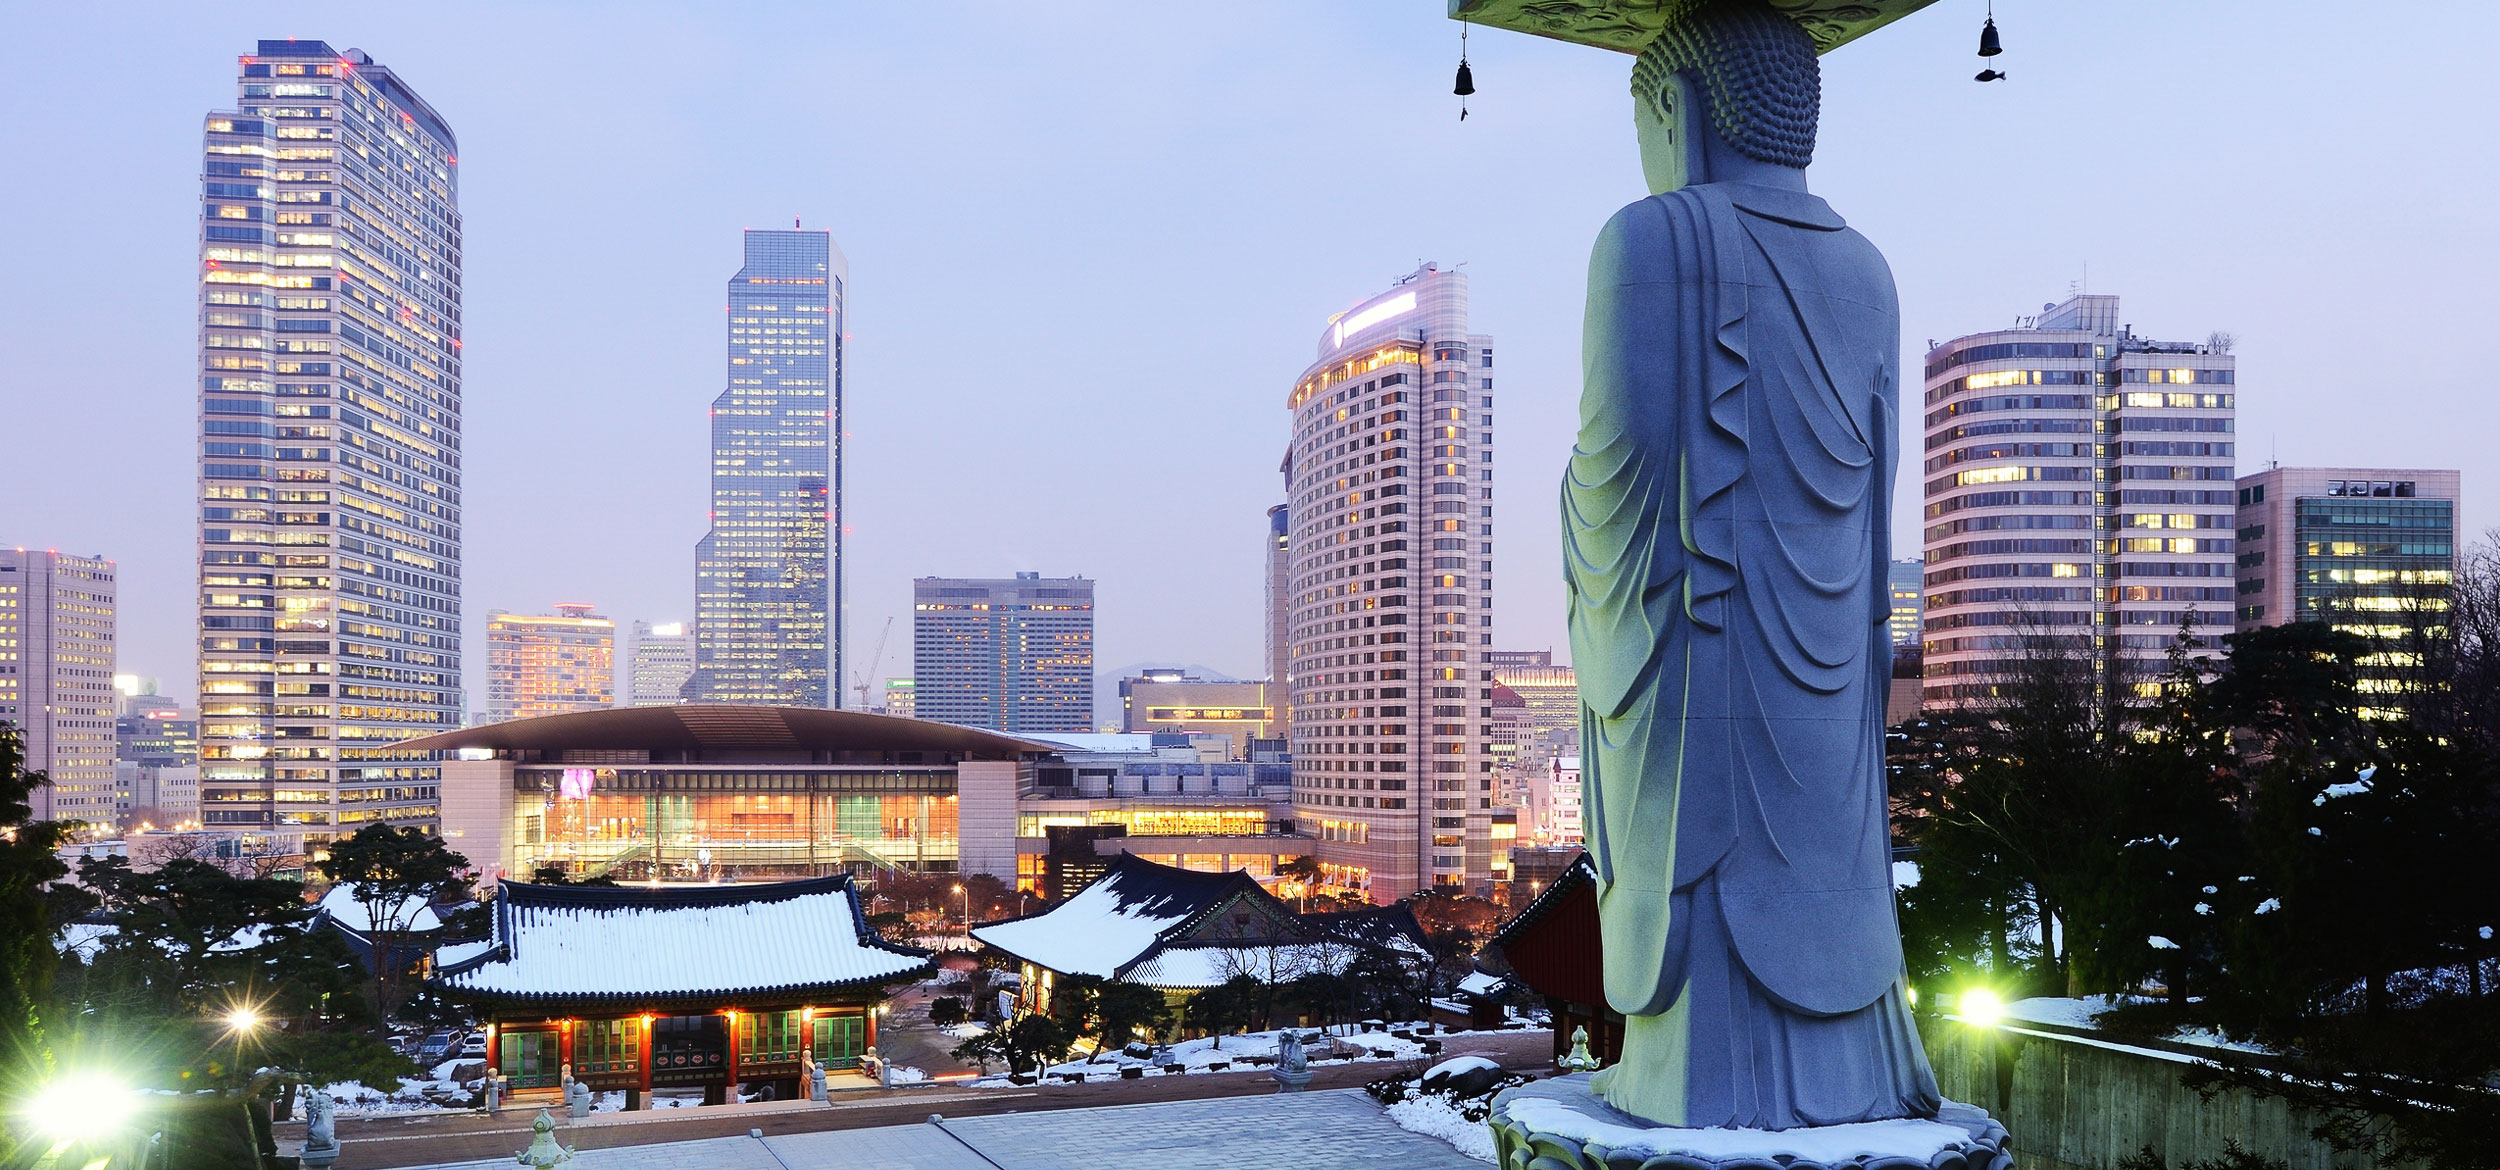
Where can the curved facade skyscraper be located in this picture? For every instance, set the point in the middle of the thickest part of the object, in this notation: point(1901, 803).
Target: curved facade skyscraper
point(1390, 481)
point(768, 576)
point(2079, 495)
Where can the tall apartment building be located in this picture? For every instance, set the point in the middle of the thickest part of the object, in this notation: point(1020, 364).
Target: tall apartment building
point(2372, 550)
point(768, 576)
point(1009, 654)
point(1390, 490)
point(2079, 494)
point(56, 677)
point(547, 664)
point(658, 663)
point(1279, 626)
point(330, 510)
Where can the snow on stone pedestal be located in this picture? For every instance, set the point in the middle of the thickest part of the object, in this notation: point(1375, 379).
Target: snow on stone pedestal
point(1560, 1124)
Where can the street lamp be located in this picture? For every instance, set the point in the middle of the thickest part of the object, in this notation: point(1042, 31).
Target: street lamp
point(1980, 1008)
point(967, 899)
point(88, 1108)
point(243, 1020)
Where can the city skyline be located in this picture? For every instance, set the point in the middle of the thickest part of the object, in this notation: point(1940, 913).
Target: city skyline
point(619, 373)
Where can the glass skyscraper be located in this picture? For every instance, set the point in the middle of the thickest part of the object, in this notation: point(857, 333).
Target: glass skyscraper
point(768, 576)
point(329, 456)
point(2370, 550)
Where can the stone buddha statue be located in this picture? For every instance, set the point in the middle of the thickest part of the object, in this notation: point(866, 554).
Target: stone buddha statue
point(1726, 523)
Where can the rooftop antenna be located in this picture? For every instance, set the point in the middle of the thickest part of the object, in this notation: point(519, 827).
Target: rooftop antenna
point(794, 223)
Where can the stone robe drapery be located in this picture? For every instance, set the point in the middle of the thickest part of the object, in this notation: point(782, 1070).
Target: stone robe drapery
point(1725, 521)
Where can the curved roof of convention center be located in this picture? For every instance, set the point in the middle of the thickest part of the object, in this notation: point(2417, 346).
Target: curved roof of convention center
point(728, 727)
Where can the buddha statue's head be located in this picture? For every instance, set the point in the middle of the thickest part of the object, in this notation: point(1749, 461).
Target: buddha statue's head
point(1728, 89)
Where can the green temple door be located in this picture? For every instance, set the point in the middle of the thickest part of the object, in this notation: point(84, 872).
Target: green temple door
point(839, 1040)
point(530, 1060)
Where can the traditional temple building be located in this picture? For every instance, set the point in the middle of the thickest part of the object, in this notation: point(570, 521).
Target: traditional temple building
point(685, 986)
point(1553, 947)
point(1181, 931)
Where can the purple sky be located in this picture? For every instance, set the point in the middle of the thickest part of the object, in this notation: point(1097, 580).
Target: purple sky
point(1092, 245)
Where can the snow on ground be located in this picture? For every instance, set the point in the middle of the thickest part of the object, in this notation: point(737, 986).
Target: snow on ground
point(1438, 1117)
point(1828, 1144)
point(1197, 1056)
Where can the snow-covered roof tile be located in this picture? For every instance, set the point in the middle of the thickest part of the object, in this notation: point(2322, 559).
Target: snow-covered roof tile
point(571, 942)
point(1196, 967)
point(1109, 924)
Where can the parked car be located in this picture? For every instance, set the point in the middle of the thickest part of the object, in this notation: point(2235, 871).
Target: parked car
point(475, 1045)
point(434, 1049)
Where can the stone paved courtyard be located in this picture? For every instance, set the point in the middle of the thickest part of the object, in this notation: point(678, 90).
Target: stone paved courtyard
point(1340, 1127)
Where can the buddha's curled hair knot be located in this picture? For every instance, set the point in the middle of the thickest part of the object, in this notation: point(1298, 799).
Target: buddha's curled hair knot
point(1756, 67)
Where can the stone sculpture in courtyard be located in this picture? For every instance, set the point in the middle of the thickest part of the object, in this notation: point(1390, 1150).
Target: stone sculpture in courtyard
point(1726, 518)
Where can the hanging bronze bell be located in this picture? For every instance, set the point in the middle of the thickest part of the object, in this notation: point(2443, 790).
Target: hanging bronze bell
point(1988, 46)
point(1466, 79)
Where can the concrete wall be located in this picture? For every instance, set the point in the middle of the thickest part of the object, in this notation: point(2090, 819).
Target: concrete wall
point(477, 815)
point(985, 817)
point(2077, 1104)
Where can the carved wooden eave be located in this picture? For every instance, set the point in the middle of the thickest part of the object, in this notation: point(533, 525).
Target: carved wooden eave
point(1627, 26)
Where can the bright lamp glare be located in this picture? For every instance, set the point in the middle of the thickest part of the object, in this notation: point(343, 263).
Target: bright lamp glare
point(1980, 1008)
point(242, 1019)
point(82, 1107)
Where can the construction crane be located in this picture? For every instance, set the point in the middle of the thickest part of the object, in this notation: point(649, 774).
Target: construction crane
point(859, 678)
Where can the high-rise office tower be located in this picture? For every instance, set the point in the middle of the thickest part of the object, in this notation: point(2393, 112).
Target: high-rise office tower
point(1013, 655)
point(768, 576)
point(657, 665)
point(2079, 498)
point(1390, 486)
point(902, 698)
point(547, 664)
point(2372, 550)
point(330, 259)
point(56, 677)
point(1279, 625)
point(156, 762)
point(1909, 608)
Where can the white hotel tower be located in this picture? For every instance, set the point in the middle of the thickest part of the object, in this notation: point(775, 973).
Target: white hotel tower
point(2079, 488)
point(1390, 489)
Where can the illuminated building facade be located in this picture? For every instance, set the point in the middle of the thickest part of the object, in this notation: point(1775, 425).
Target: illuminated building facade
point(902, 697)
point(658, 664)
point(57, 626)
point(768, 575)
point(1390, 494)
point(2079, 493)
point(1177, 701)
point(546, 664)
point(330, 453)
point(1908, 609)
point(1279, 624)
point(2372, 550)
point(1008, 654)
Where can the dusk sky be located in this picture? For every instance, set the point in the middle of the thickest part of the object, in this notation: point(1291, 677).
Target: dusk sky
point(1092, 245)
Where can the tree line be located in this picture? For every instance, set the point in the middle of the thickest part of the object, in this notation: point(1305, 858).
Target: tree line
point(2284, 834)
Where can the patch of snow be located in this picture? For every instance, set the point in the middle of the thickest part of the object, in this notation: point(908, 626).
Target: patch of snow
point(1480, 983)
point(2159, 943)
point(2203, 908)
point(2271, 905)
point(1459, 1064)
point(1904, 875)
point(1437, 1117)
point(1829, 1144)
point(2071, 1012)
point(2486, 933)
point(410, 914)
point(2315, 831)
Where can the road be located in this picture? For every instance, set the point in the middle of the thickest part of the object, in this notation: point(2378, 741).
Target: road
point(428, 1139)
